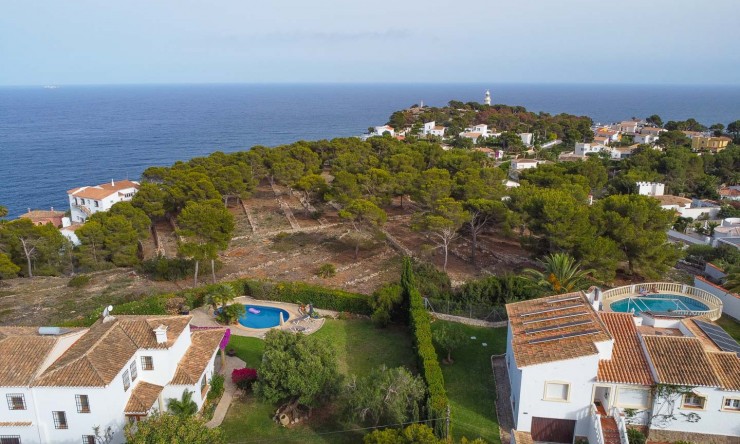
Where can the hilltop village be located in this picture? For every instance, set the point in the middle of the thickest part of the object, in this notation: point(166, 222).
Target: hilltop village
point(466, 273)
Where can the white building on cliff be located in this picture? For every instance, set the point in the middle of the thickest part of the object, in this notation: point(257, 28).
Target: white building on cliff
point(87, 200)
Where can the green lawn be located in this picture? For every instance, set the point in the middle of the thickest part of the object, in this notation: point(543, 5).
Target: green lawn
point(360, 347)
point(469, 383)
point(731, 326)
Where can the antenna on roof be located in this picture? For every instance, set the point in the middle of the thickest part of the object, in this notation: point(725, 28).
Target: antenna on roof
point(106, 313)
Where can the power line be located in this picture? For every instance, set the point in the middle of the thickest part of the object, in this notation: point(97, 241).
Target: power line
point(359, 429)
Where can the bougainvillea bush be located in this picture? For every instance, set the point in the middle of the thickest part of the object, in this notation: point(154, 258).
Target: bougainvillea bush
point(244, 377)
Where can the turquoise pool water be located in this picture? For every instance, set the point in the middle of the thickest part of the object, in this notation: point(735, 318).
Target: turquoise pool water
point(657, 303)
point(266, 318)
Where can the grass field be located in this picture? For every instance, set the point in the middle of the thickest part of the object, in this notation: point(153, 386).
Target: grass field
point(730, 325)
point(470, 385)
point(360, 347)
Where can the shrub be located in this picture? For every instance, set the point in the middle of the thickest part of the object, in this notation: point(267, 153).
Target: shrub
point(635, 436)
point(302, 293)
point(217, 387)
point(386, 305)
point(244, 377)
point(326, 271)
point(79, 281)
point(167, 269)
point(431, 282)
point(421, 332)
point(230, 314)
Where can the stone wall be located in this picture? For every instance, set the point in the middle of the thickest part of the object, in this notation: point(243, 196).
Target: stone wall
point(703, 438)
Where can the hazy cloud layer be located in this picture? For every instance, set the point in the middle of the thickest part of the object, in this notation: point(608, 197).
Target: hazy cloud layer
point(595, 41)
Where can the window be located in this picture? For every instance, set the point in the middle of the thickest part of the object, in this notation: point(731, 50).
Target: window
point(88, 439)
point(633, 398)
point(134, 370)
point(83, 404)
point(16, 401)
point(692, 401)
point(10, 439)
point(60, 420)
point(557, 391)
point(732, 404)
point(147, 363)
point(126, 381)
point(97, 204)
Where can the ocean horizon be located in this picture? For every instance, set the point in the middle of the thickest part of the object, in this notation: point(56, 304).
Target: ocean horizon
point(52, 140)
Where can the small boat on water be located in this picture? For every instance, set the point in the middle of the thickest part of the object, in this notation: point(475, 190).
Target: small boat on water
point(50, 87)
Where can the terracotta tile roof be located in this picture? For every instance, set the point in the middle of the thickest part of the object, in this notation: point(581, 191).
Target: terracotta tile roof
point(727, 368)
point(680, 361)
point(102, 352)
point(522, 437)
point(539, 324)
point(42, 214)
point(142, 398)
point(16, 424)
point(102, 191)
point(472, 135)
point(193, 364)
point(19, 366)
point(628, 364)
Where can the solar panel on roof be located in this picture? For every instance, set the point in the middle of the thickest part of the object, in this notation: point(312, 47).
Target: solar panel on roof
point(567, 298)
point(548, 310)
point(563, 336)
point(719, 336)
point(556, 326)
point(552, 318)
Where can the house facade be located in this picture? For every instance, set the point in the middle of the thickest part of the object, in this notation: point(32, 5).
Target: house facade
point(119, 370)
point(709, 143)
point(575, 371)
point(88, 200)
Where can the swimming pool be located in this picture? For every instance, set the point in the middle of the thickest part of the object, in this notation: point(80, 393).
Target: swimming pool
point(658, 303)
point(266, 318)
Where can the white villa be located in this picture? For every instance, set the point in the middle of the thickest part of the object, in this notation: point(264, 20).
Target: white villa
point(478, 131)
point(87, 200)
point(576, 369)
point(693, 208)
point(59, 383)
point(432, 129)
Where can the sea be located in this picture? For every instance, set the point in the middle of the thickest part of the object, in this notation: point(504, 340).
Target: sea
point(55, 139)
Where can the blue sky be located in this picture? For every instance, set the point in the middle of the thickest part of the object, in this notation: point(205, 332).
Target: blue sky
point(539, 41)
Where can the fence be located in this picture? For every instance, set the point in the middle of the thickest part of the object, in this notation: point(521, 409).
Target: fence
point(482, 312)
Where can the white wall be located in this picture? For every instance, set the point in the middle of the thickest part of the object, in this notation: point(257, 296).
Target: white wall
point(580, 373)
point(515, 377)
point(713, 420)
point(730, 301)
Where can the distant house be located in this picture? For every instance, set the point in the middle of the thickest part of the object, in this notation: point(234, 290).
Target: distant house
point(645, 138)
point(713, 144)
point(381, 130)
point(693, 208)
point(524, 164)
point(527, 138)
point(601, 140)
point(69, 233)
point(730, 193)
point(60, 383)
point(43, 217)
point(432, 129)
point(583, 148)
point(88, 200)
point(628, 126)
point(612, 135)
point(649, 130)
point(477, 131)
point(491, 153)
point(693, 134)
point(650, 188)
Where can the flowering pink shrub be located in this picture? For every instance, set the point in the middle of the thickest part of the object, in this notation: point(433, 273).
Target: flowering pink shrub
point(244, 377)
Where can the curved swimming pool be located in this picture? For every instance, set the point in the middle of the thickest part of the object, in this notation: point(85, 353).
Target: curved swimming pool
point(262, 317)
point(658, 303)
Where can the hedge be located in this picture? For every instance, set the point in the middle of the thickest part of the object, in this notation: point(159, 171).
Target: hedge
point(421, 331)
point(302, 293)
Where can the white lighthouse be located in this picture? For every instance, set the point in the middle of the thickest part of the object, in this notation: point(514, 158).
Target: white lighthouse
point(487, 99)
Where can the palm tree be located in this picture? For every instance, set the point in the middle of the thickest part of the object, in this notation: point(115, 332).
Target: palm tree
point(561, 274)
point(185, 406)
point(221, 295)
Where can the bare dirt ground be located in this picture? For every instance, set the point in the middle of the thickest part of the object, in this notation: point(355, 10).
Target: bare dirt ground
point(49, 300)
point(271, 247)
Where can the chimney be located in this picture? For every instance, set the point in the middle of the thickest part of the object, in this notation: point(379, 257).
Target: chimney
point(161, 334)
point(112, 183)
point(52, 209)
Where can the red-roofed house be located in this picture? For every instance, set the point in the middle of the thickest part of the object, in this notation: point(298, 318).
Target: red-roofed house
point(87, 200)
